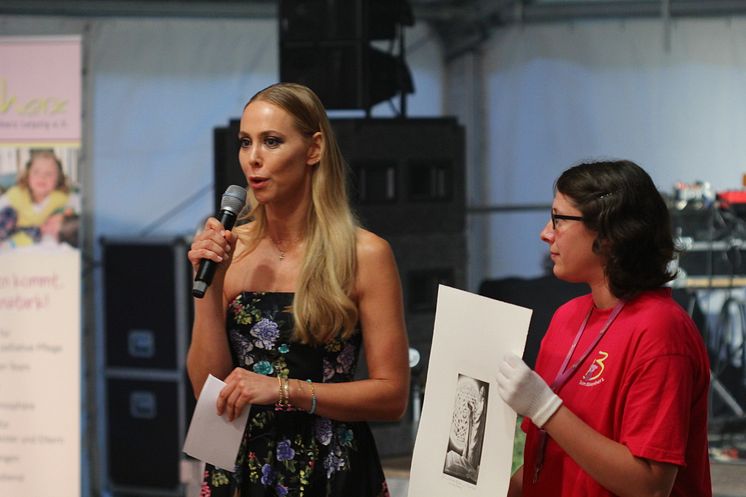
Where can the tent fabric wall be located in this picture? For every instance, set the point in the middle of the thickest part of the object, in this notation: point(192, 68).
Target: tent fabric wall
point(561, 93)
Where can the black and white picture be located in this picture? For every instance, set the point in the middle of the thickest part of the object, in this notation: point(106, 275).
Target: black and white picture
point(466, 436)
point(461, 433)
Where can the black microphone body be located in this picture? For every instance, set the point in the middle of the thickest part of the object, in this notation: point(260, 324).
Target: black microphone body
point(231, 205)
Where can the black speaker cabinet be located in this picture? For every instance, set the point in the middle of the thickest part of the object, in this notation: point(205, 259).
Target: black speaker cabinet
point(147, 421)
point(147, 325)
point(323, 20)
point(407, 175)
point(225, 156)
point(325, 45)
point(147, 303)
point(426, 260)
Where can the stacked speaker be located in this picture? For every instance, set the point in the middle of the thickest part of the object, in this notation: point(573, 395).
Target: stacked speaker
point(327, 46)
point(407, 185)
point(147, 322)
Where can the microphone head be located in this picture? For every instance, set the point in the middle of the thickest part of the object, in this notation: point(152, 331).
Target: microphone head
point(233, 199)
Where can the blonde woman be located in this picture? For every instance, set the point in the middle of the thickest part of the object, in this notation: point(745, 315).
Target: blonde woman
point(298, 291)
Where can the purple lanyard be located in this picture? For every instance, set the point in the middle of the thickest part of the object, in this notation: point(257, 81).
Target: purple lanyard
point(565, 373)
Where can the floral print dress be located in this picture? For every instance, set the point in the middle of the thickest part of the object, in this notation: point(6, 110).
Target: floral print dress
point(291, 452)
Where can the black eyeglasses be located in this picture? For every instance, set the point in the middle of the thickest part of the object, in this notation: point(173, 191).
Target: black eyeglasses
point(563, 217)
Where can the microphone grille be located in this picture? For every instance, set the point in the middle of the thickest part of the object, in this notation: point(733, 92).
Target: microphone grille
point(233, 199)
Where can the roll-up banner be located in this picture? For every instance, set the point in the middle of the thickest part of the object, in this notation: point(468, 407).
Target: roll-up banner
point(40, 285)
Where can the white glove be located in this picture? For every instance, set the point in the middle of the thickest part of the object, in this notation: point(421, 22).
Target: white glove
point(525, 391)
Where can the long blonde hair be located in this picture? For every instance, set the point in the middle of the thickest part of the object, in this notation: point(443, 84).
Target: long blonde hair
point(323, 306)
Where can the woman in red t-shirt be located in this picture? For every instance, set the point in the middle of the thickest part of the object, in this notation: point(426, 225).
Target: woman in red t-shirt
point(617, 405)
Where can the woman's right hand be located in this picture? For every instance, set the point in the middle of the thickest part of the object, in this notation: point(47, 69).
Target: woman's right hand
point(244, 387)
point(213, 243)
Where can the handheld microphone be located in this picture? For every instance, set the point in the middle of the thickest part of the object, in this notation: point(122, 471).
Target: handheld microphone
point(231, 204)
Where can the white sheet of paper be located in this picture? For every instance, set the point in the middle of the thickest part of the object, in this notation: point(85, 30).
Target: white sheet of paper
point(471, 335)
point(212, 438)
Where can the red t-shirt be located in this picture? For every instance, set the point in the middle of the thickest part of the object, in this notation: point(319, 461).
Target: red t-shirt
point(644, 385)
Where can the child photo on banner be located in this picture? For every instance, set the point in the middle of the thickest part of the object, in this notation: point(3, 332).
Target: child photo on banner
point(39, 197)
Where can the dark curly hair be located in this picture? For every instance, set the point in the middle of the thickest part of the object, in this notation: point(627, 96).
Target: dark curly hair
point(620, 202)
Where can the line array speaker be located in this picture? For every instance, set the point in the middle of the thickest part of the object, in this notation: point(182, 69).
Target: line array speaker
point(325, 45)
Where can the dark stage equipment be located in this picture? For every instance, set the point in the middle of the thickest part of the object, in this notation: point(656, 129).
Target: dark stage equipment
point(710, 230)
point(720, 259)
point(226, 168)
point(408, 175)
point(326, 45)
point(147, 307)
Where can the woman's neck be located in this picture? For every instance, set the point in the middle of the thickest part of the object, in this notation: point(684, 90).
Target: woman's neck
point(602, 296)
point(287, 227)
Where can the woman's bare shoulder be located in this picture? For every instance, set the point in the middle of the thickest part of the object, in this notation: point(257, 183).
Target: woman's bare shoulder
point(371, 246)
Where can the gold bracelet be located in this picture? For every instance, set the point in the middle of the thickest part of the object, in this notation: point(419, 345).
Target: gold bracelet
point(283, 402)
point(279, 383)
point(285, 398)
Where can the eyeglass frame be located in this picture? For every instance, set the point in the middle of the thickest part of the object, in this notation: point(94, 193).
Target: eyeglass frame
point(563, 217)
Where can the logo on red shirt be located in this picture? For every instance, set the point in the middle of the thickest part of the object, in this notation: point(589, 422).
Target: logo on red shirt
point(592, 377)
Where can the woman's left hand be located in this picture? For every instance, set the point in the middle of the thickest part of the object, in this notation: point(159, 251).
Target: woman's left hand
point(242, 388)
point(525, 391)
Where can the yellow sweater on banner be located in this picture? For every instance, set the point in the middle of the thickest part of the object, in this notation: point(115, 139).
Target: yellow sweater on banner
point(31, 215)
